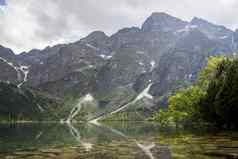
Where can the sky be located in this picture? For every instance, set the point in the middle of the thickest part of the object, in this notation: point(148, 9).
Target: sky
point(28, 24)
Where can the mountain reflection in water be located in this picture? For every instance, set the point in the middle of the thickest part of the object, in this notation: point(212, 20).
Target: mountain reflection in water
point(116, 140)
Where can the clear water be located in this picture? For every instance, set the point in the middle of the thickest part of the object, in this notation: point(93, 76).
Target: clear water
point(113, 141)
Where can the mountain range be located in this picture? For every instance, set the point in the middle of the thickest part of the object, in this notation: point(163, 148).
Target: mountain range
point(166, 53)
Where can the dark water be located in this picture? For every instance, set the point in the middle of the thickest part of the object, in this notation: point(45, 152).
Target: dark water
point(113, 141)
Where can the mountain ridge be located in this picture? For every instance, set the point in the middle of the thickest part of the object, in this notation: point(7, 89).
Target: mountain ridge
point(165, 51)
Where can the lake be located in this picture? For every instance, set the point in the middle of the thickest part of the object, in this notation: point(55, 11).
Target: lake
point(115, 140)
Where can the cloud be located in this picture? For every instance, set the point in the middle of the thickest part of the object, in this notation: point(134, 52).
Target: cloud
point(28, 24)
point(2, 2)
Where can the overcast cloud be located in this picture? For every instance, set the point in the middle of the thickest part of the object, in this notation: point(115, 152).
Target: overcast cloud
point(27, 24)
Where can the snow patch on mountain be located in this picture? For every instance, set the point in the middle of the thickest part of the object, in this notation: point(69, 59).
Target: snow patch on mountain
point(187, 28)
point(91, 46)
point(23, 69)
point(152, 64)
point(40, 108)
point(223, 37)
point(140, 52)
point(106, 57)
point(76, 109)
point(144, 93)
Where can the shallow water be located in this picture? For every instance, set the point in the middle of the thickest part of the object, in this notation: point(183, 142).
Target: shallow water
point(113, 141)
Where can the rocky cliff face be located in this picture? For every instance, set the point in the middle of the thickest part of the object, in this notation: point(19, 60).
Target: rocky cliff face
point(166, 51)
point(235, 41)
point(123, 68)
point(11, 71)
point(69, 59)
point(179, 67)
point(6, 53)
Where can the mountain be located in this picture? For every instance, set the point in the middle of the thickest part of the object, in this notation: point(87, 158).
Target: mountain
point(165, 51)
point(26, 104)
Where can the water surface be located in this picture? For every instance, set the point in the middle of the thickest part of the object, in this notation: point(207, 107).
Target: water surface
point(117, 140)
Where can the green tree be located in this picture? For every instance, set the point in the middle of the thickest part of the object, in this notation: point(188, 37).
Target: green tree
point(207, 74)
point(183, 107)
point(220, 105)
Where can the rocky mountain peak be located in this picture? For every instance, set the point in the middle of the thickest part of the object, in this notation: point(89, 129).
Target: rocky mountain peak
point(97, 40)
point(204, 23)
point(159, 21)
point(198, 21)
point(211, 30)
point(95, 36)
point(6, 52)
point(129, 30)
point(160, 15)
